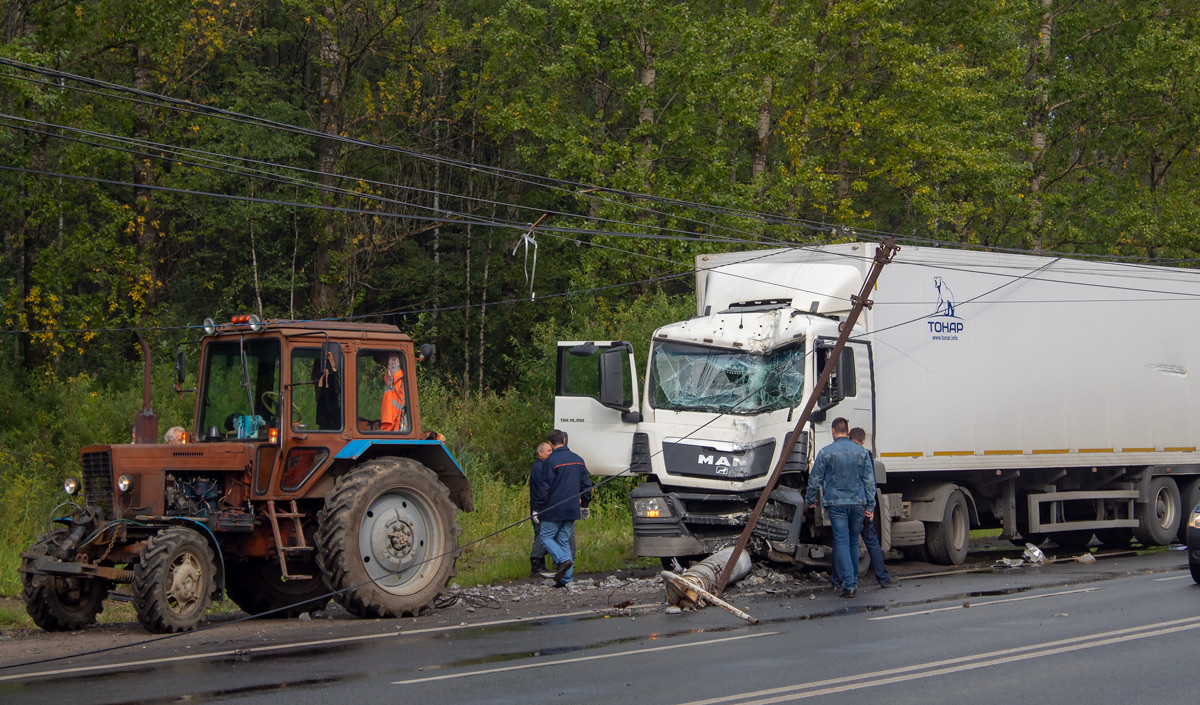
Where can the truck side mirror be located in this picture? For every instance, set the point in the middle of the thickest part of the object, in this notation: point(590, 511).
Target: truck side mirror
point(180, 369)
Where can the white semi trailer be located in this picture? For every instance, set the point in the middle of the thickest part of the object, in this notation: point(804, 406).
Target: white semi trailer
point(1049, 397)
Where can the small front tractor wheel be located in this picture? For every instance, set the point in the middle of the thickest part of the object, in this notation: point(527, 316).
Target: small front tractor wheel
point(388, 538)
point(59, 603)
point(257, 586)
point(173, 581)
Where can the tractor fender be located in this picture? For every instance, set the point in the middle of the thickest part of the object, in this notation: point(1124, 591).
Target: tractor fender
point(432, 454)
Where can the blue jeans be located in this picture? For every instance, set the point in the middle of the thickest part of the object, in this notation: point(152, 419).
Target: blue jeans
point(846, 521)
point(537, 553)
point(556, 537)
point(875, 551)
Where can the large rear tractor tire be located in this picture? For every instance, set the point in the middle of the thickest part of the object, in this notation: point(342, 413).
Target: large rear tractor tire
point(948, 540)
point(257, 586)
point(173, 581)
point(388, 538)
point(1160, 517)
point(57, 603)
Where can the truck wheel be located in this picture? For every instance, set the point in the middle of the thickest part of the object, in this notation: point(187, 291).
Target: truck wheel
point(173, 581)
point(388, 538)
point(1159, 518)
point(947, 541)
point(57, 603)
point(257, 586)
point(1189, 493)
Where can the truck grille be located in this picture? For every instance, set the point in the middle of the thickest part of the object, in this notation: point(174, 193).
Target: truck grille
point(97, 480)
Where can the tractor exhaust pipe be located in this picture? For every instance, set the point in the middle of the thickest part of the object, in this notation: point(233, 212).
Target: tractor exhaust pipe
point(145, 422)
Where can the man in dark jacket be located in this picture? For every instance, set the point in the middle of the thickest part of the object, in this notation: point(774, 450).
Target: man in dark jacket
point(537, 553)
point(566, 487)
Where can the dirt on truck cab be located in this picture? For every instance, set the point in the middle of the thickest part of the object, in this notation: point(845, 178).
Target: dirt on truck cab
point(307, 473)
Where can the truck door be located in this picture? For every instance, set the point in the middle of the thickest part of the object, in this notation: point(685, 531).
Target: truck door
point(596, 402)
point(850, 392)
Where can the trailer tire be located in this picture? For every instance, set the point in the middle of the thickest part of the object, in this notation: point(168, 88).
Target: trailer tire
point(173, 581)
point(1189, 493)
point(948, 540)
point(387, 538)
point(59, 603)
point(257, 586)
point(1161, 516)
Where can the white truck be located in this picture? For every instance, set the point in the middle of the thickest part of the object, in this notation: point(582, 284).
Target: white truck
point(1049, 397)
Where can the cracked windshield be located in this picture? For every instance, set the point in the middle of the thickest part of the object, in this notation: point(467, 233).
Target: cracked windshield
point(692, 378)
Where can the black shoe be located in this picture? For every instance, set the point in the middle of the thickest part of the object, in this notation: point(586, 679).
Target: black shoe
point(559, 584)
point(849, 593)
point(561, 571)
point(888, 584)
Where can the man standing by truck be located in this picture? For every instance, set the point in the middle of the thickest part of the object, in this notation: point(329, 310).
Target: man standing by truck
point(567, 487)
point(845, 476)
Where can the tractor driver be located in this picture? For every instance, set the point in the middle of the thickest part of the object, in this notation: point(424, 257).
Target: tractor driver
point(391, 412)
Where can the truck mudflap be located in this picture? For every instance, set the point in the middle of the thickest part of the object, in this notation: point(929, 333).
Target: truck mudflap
point(432, 454)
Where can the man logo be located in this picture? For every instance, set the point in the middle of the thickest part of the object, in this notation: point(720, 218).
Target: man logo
point(721, 461)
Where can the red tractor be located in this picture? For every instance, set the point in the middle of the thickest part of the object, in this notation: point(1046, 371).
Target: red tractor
point(307, 473)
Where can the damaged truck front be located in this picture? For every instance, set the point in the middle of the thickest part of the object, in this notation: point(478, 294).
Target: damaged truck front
point(1047, 397)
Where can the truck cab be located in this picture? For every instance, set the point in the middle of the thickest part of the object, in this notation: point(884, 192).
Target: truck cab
point(720, 398)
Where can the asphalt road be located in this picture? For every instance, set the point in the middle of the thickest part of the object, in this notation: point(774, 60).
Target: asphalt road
point(1115, 631)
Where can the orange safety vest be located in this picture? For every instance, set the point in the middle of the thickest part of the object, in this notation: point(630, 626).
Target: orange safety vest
point(393, 401)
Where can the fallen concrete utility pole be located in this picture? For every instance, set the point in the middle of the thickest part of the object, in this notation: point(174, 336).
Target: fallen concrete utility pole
point(883, 255)
point(692, 588)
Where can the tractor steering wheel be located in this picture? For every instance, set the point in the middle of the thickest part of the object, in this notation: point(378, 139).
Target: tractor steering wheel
point(270, 401)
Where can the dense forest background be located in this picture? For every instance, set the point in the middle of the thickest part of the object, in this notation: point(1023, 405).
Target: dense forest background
point(388, 161)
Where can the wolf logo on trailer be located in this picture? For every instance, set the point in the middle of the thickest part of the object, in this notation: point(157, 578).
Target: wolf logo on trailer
point(944, 329)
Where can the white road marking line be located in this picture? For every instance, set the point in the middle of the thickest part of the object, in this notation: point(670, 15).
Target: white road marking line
point(953, 665)
point(294, 645)
point(1173, 577)
point(578, 659)
point(982, 604)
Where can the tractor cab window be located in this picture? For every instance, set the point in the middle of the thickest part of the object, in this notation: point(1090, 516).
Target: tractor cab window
point(240, 389)
point(316, 388)
point(382, 387)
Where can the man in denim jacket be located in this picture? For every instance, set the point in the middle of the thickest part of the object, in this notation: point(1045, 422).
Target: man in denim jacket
point(845, 475)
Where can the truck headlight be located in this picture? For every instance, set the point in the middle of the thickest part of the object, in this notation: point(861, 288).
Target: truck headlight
point(1194, 520)
point(70, 485)
point(651, 508)
point(124, 483)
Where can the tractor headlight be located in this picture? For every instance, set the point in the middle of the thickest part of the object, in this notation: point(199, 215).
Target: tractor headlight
point(1194, 519)
point(651, 507)
point(70, 485)
point(124, 483)
point(209, 326)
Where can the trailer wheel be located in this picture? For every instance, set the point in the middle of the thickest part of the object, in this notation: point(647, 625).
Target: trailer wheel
point(257, 586)
point(58, 603)
point(947, 540)
point(1189, 493)
point(173, 581)
point(1159, 518)
point(388, 538)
